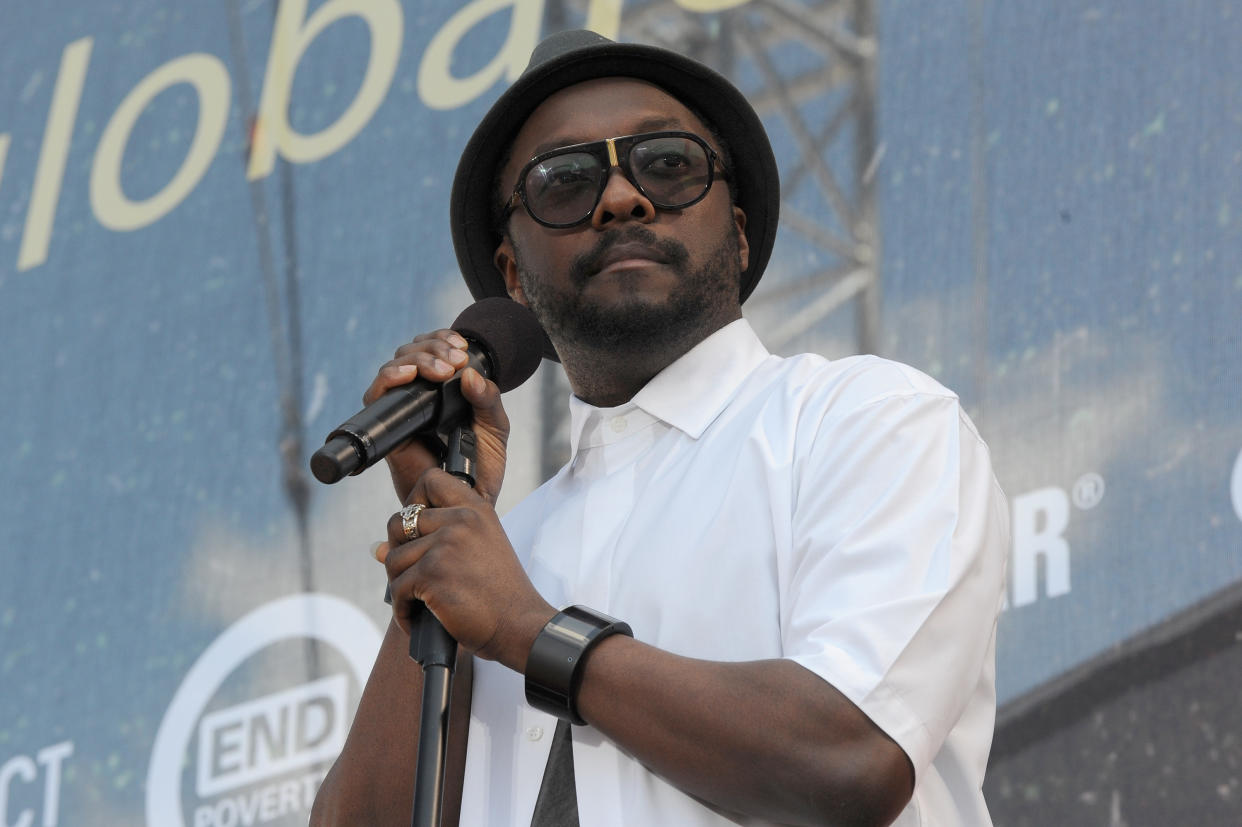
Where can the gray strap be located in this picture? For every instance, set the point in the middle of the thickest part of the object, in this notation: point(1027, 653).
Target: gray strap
point(557, 805)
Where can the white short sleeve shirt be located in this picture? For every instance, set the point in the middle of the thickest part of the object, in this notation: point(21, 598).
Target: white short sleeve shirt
point(743, 506)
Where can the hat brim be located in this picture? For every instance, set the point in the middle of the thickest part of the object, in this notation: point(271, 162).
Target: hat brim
point(753, 169)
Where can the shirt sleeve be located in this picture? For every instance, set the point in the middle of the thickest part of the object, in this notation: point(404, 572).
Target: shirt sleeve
point(900, 536)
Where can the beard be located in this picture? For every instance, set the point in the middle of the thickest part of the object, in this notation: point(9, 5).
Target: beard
point(704, 296)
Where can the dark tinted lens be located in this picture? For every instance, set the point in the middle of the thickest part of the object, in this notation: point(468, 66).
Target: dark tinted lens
point(563, 188)
point(672, 171)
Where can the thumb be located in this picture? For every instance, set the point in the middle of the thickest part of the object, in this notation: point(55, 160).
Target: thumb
point(491, 429)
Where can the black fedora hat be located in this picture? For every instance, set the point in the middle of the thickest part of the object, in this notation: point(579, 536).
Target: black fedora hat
point(570, 57)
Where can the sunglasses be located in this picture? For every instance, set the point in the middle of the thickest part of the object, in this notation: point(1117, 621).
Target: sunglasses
point(562, 188)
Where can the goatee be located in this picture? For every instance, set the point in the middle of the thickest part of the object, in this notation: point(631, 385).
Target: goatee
point(700, 298)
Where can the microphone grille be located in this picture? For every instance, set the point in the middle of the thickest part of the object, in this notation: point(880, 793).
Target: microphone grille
point(511, 335)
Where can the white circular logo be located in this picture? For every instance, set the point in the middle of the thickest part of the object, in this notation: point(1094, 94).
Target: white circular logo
point(320, 616)
point(1088, 491)
point(1235, 486)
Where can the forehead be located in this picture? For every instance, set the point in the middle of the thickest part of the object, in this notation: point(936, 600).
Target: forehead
point(602, 108)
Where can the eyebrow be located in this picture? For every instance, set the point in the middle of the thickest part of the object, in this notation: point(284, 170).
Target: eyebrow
point(655, 123)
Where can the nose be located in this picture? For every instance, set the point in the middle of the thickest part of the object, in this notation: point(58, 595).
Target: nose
point(621, 201)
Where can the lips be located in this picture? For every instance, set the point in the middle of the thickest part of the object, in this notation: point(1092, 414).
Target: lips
point(636, 243)
point(629, 251)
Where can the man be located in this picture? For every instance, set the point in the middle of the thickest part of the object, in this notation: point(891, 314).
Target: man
point(810, 553)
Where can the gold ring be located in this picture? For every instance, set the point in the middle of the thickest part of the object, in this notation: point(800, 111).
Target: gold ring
point(409, 520)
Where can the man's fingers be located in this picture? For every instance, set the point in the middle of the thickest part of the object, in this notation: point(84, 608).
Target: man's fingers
point(402, 371)
point(434, 356)
point(443, 491)
point(444, 339)
point(491, 430)
point(401, 552)
point(422, 522)
point(396, 530)
point(391, 375)
point(484, 397)
point(439, 489)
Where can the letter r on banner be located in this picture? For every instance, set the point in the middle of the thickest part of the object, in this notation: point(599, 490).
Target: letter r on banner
point(1039, 522)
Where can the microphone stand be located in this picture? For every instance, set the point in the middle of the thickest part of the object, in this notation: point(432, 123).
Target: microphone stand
point(436, 650)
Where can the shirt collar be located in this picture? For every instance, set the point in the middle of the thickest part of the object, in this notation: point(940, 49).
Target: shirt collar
point(689, 393)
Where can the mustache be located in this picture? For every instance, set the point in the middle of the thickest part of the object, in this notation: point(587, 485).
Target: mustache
point(588, 264)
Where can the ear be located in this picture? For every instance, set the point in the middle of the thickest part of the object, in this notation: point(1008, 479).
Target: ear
point(505, 260)
point(743, 243)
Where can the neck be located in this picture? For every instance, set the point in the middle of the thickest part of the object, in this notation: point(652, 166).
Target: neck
point(608, 376)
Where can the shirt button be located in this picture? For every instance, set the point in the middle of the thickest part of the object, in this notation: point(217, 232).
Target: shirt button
point(618, 424)
point(534, 733)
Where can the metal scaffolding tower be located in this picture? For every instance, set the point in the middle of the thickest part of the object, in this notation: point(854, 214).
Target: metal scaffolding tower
point(809, 68)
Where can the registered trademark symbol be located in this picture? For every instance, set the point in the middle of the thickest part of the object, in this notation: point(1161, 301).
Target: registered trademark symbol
point(1088, 491)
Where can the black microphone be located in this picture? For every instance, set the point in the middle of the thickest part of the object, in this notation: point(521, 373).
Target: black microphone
point(505, 344)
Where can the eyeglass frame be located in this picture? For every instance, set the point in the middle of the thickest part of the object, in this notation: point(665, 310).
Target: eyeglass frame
point(613, 159)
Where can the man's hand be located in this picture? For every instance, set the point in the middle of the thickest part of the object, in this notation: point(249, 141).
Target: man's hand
point(463, 568)
point(436, 356)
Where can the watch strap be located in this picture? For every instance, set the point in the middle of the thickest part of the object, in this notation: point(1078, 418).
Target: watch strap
point(554, 665)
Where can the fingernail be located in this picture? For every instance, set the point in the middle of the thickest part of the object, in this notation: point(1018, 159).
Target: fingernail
point(473, 379)
point(407, 370)
point(379, 549)
point(457, 355)
point(442, 366)
point(457, 341)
